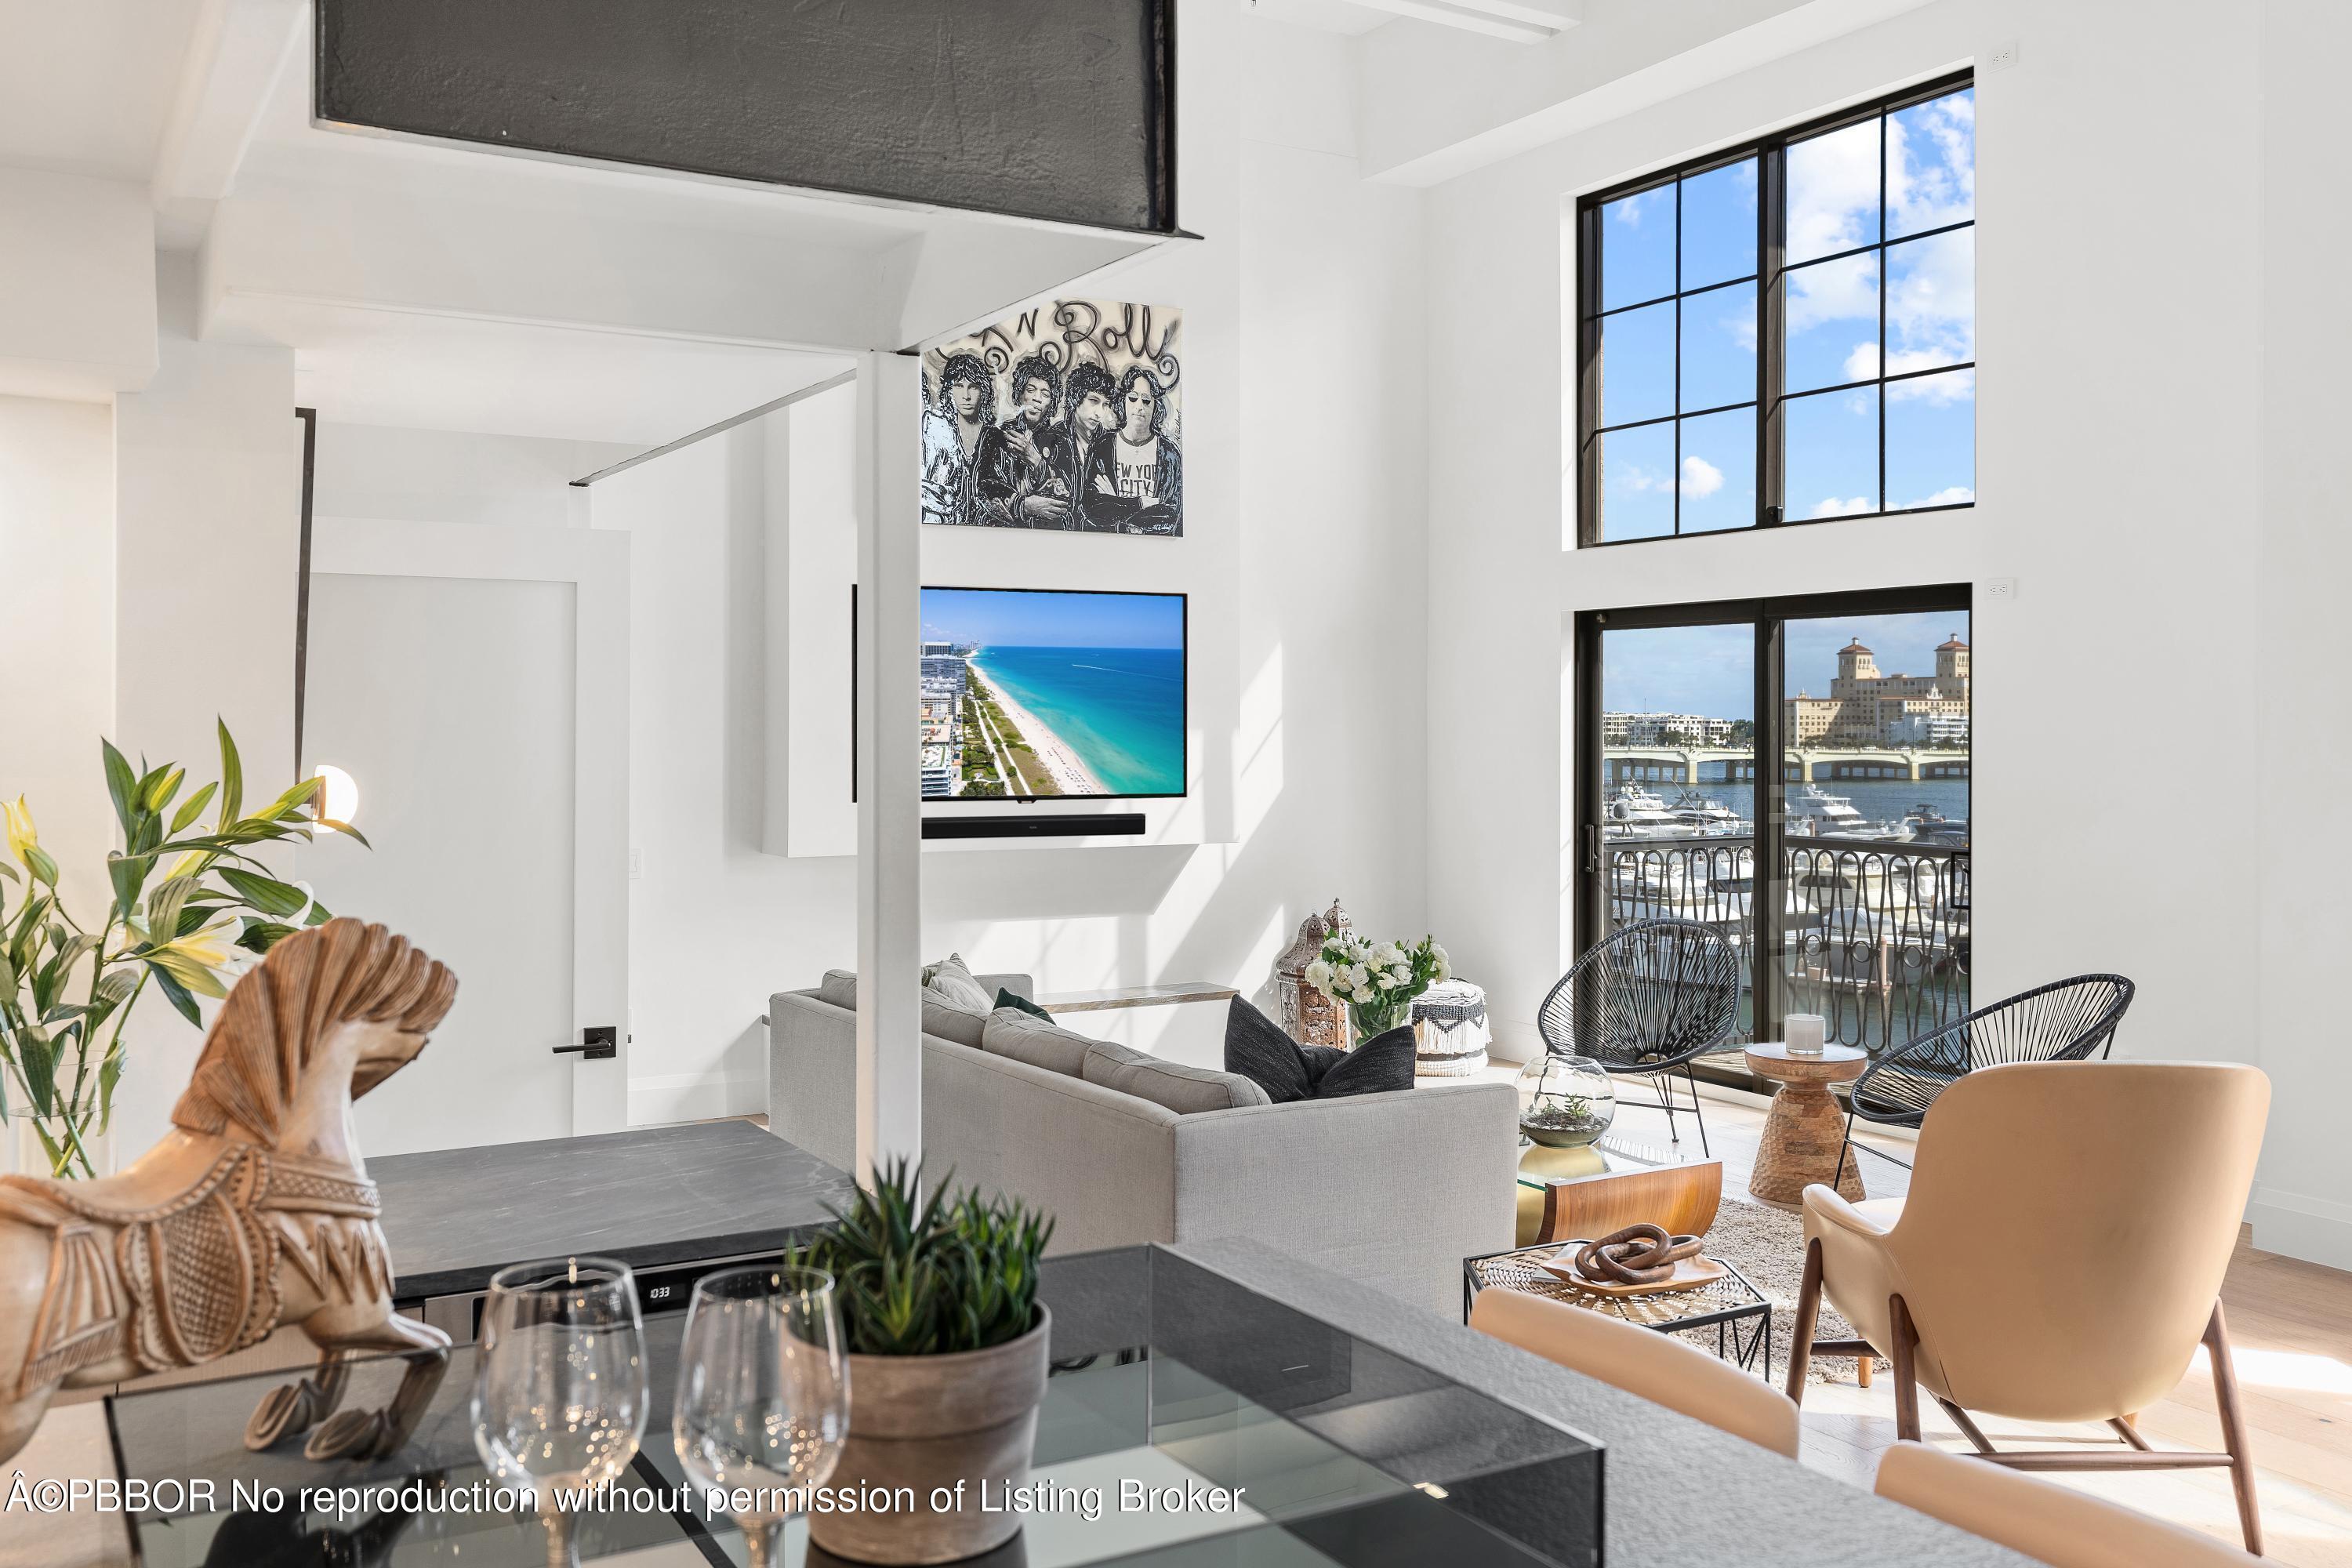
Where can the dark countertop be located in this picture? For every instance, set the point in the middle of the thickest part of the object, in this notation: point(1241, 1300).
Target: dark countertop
point(647, 1196)
point(1679, 1492)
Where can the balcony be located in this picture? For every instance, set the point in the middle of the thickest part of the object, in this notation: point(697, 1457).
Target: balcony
point(1876, 934)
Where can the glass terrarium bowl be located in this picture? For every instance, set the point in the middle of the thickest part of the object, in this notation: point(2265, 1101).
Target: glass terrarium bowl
point(1565, 1101)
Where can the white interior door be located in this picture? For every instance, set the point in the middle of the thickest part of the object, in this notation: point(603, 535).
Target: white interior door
point(473, 680)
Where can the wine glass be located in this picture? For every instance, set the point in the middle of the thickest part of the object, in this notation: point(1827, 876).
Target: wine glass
point(763, 1392)
point(559, 1384)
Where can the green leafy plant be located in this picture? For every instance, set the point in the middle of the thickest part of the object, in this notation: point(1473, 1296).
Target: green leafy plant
point(191, 907)
point(917, 1276)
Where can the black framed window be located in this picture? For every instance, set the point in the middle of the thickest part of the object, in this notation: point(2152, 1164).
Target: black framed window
point(1844, 874)
point(1784, 333)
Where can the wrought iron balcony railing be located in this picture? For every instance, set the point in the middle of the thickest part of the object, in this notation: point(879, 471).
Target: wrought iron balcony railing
point(1876, 934)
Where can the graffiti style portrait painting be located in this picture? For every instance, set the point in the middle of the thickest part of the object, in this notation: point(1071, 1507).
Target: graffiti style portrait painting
point(1065, 416)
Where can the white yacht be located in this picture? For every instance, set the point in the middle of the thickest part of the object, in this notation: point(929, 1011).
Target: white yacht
point(1694, 810)
point(1633, 812)
point(1816, 813)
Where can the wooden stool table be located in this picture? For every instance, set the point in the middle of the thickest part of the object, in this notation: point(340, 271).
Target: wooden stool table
point(1805, 1129)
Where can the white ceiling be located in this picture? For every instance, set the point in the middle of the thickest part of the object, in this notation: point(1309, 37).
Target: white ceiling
point(86, 86)
point(421, 371)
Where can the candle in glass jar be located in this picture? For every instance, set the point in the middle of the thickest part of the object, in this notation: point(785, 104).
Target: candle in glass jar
point(1804, 1033)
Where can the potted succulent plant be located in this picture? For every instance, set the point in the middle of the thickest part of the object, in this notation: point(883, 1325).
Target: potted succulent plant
point(946, 1351)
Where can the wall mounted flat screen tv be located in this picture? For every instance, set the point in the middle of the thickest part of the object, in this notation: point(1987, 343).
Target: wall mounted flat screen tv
point(1035, 693)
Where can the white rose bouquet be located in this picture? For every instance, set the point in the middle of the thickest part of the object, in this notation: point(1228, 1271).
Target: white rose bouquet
point(1378, 981)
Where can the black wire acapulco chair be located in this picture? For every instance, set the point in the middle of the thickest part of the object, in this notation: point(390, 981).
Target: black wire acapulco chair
point(1645, 1000)
point(2064, 1021)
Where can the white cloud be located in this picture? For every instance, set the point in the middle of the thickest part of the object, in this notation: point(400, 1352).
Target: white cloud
point(1842, 290)
point(1931, 174)
point(1951, 495)
point(1936, 391)
point(1700, 477)
point(1628, 211)
point(1862, 363)
point(1931, 307)
point(1834, 191)
point(1834, 507)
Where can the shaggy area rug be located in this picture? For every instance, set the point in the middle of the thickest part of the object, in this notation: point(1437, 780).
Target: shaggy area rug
point(1768, 1245)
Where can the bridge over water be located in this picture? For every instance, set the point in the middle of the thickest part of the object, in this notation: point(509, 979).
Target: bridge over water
point(1722, 765)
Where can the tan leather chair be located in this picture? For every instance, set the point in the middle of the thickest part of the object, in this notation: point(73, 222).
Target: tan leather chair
point(1658, 1367)
point(2058, 1258)
point(2041, 1519)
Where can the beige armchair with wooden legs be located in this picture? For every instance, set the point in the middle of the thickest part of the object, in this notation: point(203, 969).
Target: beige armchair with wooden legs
point(2059, 1257)
point(2041, 1519)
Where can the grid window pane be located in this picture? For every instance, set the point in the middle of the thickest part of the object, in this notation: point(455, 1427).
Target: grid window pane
point(1852, 357)
point(1720, 347)
point(1831, 323)
point(1637, 482)
point(1931, 301)
point(1831, 456)
point(1931, 440)
point(1931, 164)
point(1637, 364)
point(1637, 248)
point(1718, 225)
point(1832, 193)
point(1717, 485)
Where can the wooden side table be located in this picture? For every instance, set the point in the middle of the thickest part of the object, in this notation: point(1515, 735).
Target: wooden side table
point(1578, 1194)
point(1805, 1129)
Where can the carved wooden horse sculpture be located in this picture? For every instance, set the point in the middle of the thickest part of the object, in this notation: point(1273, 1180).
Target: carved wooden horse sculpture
point(254, 1211)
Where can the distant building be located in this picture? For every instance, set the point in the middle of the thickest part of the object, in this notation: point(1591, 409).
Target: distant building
point(1663, 729)
point(1867, 709)
point(1916, 729)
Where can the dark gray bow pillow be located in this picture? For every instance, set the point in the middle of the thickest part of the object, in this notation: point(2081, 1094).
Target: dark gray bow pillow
point(1256, 1049)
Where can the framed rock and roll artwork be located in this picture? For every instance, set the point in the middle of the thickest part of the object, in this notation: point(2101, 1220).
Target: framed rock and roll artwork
point(1066, 416)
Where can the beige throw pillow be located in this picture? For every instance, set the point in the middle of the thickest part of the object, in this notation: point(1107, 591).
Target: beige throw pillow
point(959, 1025)
point(951, 981)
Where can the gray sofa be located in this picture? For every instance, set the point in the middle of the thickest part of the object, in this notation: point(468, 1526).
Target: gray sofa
point(1389, 1190)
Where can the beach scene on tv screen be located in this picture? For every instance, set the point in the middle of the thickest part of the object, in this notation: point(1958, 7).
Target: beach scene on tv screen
point(1035, 693)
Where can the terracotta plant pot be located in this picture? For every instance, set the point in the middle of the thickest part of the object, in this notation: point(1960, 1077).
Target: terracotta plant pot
point(925, 1422)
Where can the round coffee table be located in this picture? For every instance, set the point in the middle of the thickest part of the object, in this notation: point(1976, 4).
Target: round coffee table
point(1805, 1130)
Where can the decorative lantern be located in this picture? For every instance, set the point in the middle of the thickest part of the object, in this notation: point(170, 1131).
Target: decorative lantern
point(1307, 1016)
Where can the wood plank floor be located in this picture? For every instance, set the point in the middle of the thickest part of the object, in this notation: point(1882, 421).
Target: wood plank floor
point(2291, 1322)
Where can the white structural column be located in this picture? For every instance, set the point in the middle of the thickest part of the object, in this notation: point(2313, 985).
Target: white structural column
point(889, 784)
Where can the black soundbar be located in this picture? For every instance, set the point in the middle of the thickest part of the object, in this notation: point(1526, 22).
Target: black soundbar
point(1107, 825)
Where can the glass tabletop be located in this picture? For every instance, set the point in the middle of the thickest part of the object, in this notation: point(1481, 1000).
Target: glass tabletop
point(1164, 1376)
point(1606, 1155)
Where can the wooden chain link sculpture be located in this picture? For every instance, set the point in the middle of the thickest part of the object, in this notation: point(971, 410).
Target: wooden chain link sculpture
point(1637, 1254)
point(252, 1212)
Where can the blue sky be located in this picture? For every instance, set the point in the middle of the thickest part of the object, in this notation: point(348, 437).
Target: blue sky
point(1711, 669)
point(1833, 307)
point(1012, 618)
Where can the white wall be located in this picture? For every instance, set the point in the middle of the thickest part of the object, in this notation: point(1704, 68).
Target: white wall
point(77, 285)
point(716, 924)
point(2119, 266)
point(2303, 1201)
point(1304, 487)
point(57, 554)
point(208, 485)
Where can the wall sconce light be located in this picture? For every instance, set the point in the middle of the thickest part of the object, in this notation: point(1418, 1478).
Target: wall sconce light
point(338, 799)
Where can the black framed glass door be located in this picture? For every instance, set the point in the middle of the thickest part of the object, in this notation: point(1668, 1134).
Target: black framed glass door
point(1842, 874)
